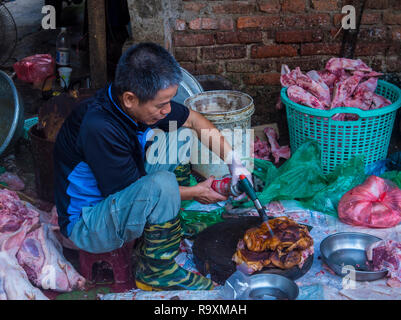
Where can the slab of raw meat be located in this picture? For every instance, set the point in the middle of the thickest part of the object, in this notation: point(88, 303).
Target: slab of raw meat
point(288, 78)
point(13, 181)
point(41, 256)
point(320, 91)
point(328, 77)
point(386, 255)
point(14, 283)
point(344, 90)
point(368, 74)
point(379, 102)
point(301, 96)
point(336, 65)
point(296, 77)
point(16, 220)
point(363, 96)
point(277, 151)
point(261, 149)
point(314, 75)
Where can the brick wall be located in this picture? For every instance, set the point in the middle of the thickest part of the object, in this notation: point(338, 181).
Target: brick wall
point(247, 41)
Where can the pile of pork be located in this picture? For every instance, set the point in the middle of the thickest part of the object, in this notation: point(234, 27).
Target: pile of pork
point(343, 83)
point(31, 256)
point(290, 246)
point(266, 149)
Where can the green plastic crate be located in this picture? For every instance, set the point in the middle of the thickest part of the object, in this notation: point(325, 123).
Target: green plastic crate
point(341, 140)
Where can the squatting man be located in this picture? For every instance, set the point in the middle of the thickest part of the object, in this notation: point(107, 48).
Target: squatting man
point(107, 193)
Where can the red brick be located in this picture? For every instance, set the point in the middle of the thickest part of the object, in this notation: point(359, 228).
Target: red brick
point(373, 34)
point(305, 63)
point(371, 18)
point(370, 49)
point(258, 22)
point(194, 6)
point(204, 24)
point(271, 79)
point(395, 4)
point(239, 37)
point(226, 24)
point(325, 5)
point(310, 49)
point(234, 8)
point(393, 64)
point(193, 40)
point(392, 18)
point(294, 6)
point(195, 24)
point(208, 68)
point(377, 4)
point(396, 34)
point(186, 54)
point(337, 18)
point(227, 37)
point(394, 49)
point(282, 50)
point(242, 67)
point(311, 20)
point(299, 36)
point(270, 6)
point(377, 63)
point(189, 66)
point(227, 52)
point(180, 25)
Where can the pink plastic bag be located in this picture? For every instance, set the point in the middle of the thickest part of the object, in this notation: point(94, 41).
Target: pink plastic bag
point(35, 68)
point(376, 203)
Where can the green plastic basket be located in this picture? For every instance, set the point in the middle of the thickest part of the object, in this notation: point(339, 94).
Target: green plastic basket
point(341, 140)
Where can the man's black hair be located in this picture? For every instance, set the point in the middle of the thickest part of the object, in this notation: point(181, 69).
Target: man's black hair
point(144, 69)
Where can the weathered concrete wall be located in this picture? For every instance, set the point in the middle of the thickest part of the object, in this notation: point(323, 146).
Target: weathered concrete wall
point(153, 20)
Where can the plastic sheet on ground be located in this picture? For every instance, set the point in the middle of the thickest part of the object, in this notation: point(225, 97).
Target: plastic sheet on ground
point(319, 283)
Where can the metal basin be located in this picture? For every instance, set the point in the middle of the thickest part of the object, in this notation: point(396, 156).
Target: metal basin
point(272, 287)
point(11, 113)
point(345, 251)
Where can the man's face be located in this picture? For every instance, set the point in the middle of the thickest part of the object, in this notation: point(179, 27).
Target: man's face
point(151, 111)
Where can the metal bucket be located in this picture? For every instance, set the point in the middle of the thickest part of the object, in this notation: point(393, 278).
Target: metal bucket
point(231, 112)
point(11, 114)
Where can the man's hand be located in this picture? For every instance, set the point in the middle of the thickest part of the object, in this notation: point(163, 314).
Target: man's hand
point(205, 194)
point(236, 169)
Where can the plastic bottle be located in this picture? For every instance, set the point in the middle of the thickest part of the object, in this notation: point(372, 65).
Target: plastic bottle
point(63, 49)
